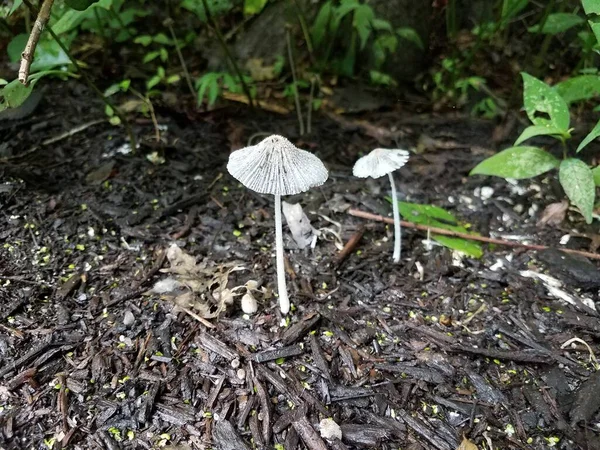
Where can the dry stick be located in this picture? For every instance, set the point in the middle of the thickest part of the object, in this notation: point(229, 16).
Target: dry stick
point(88, 81)
point(221, 39)
point(27, 55)
point(472, 237)
point(296, 94)
point(188, 79)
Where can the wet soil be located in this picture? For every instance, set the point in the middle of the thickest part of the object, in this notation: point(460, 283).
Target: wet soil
point(419, 355)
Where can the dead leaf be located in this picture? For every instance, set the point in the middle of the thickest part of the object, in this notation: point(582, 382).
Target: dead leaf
point(467, 445)
point(554, 214)
point(102, 173)
point(302, 231)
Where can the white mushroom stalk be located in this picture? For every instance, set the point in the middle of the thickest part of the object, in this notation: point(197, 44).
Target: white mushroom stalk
point(376, 164)
point(276, 166)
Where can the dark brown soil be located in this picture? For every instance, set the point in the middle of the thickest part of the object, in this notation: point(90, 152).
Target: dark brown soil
point(418, 355)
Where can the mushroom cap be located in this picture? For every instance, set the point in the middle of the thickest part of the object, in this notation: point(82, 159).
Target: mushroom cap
point(380, 162)
point(276, 166)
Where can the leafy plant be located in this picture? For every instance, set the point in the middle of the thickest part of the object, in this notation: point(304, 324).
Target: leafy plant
point(211, 85)
point(357, 24)
point(549, 115)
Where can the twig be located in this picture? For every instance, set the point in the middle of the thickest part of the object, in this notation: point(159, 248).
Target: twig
point(310, 106)
point(27, 55)
point(294, 79)
point(472, 237)
point(89, 82)
point(303, 24)
point(221, 39)
point(350, 246)
point(54, 139)
point(188, 79)
point(192, 314)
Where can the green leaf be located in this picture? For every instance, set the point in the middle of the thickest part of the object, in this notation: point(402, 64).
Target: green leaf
point(557, 23)
point(68, 21)
point(576, 89)
point(470, 248)
point(437, 217)
point(252, 7)
point(15, 94)
point(363, 16)
point(596, 174)
point(590, 137)
point(382, 79)
point(595, 26)
point(15, 6)
point(591, 6)
point(150, 57)
point(144, 40)
point(16, 46)
point(510, 8)
point(517, 163)
point(577, 180)
point(80, 5)
point(382, 25)
point(537, 130)
point(411, 35)
point(153, 82)
point(340, 12)
point(538, 98)
point(162, 38)
point(173, 79)
point(320, 26)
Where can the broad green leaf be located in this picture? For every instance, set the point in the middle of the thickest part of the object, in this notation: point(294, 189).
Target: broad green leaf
point(153, 82)
point(582, 87)
point(577, 180)
point(162, 38)
point(517, 163)
point(48, 55)
point(411, 35)
point(538, 98)
point(557, 23)
point(80, 5)
point(590, 137)
point(341, 11)
point(363, 16)
point(537, 130)
point(470, 248)
point(252, 7)
point(510, 8)
point(150, 57)
point(596, 174)
point(16, 46)
point(320, 26)
point(591, 6)
point(382, 79)
point(15, 93)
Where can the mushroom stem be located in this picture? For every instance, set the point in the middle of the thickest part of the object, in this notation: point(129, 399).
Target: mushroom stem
point(284, 301)
point(397, 231)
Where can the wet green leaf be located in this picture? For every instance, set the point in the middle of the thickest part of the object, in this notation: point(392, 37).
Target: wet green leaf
point(544, 106)
point(517, 163)
point(577, 180)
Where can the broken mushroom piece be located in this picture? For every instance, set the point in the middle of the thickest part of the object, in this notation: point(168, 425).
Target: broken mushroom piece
point(276, 166)
point(376, 164)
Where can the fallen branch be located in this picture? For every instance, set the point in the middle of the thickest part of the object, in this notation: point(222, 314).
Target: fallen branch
point(471, 237)
point(34, 37)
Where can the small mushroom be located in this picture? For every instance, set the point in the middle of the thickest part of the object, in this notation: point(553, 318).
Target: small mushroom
point(276, 166)
point(376, 164)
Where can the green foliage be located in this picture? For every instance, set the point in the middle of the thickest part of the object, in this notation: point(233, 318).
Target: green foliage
point(580, 88)
point(353, 26)
point(437, 217)
point(211, 84)
point(577, 179)
point(557, 23)
point(217, 7)
point(80, 5)
point(592, 9)
point(252, 7)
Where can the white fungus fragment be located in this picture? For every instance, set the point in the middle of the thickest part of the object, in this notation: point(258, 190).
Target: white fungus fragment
point(330, 430)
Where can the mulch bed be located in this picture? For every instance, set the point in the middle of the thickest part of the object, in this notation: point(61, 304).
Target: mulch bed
point(419, 355)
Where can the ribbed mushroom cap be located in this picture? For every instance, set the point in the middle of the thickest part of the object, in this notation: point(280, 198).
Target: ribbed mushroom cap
point(380, 162)
point(276, 166)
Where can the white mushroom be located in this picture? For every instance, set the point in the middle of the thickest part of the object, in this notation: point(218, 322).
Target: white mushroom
point(249, 304)
point(376, 164)
point(276, 166)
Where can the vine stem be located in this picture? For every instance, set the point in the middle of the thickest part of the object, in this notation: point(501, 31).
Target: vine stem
point(225, 47)
point(88, 80)
point(188, 79)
